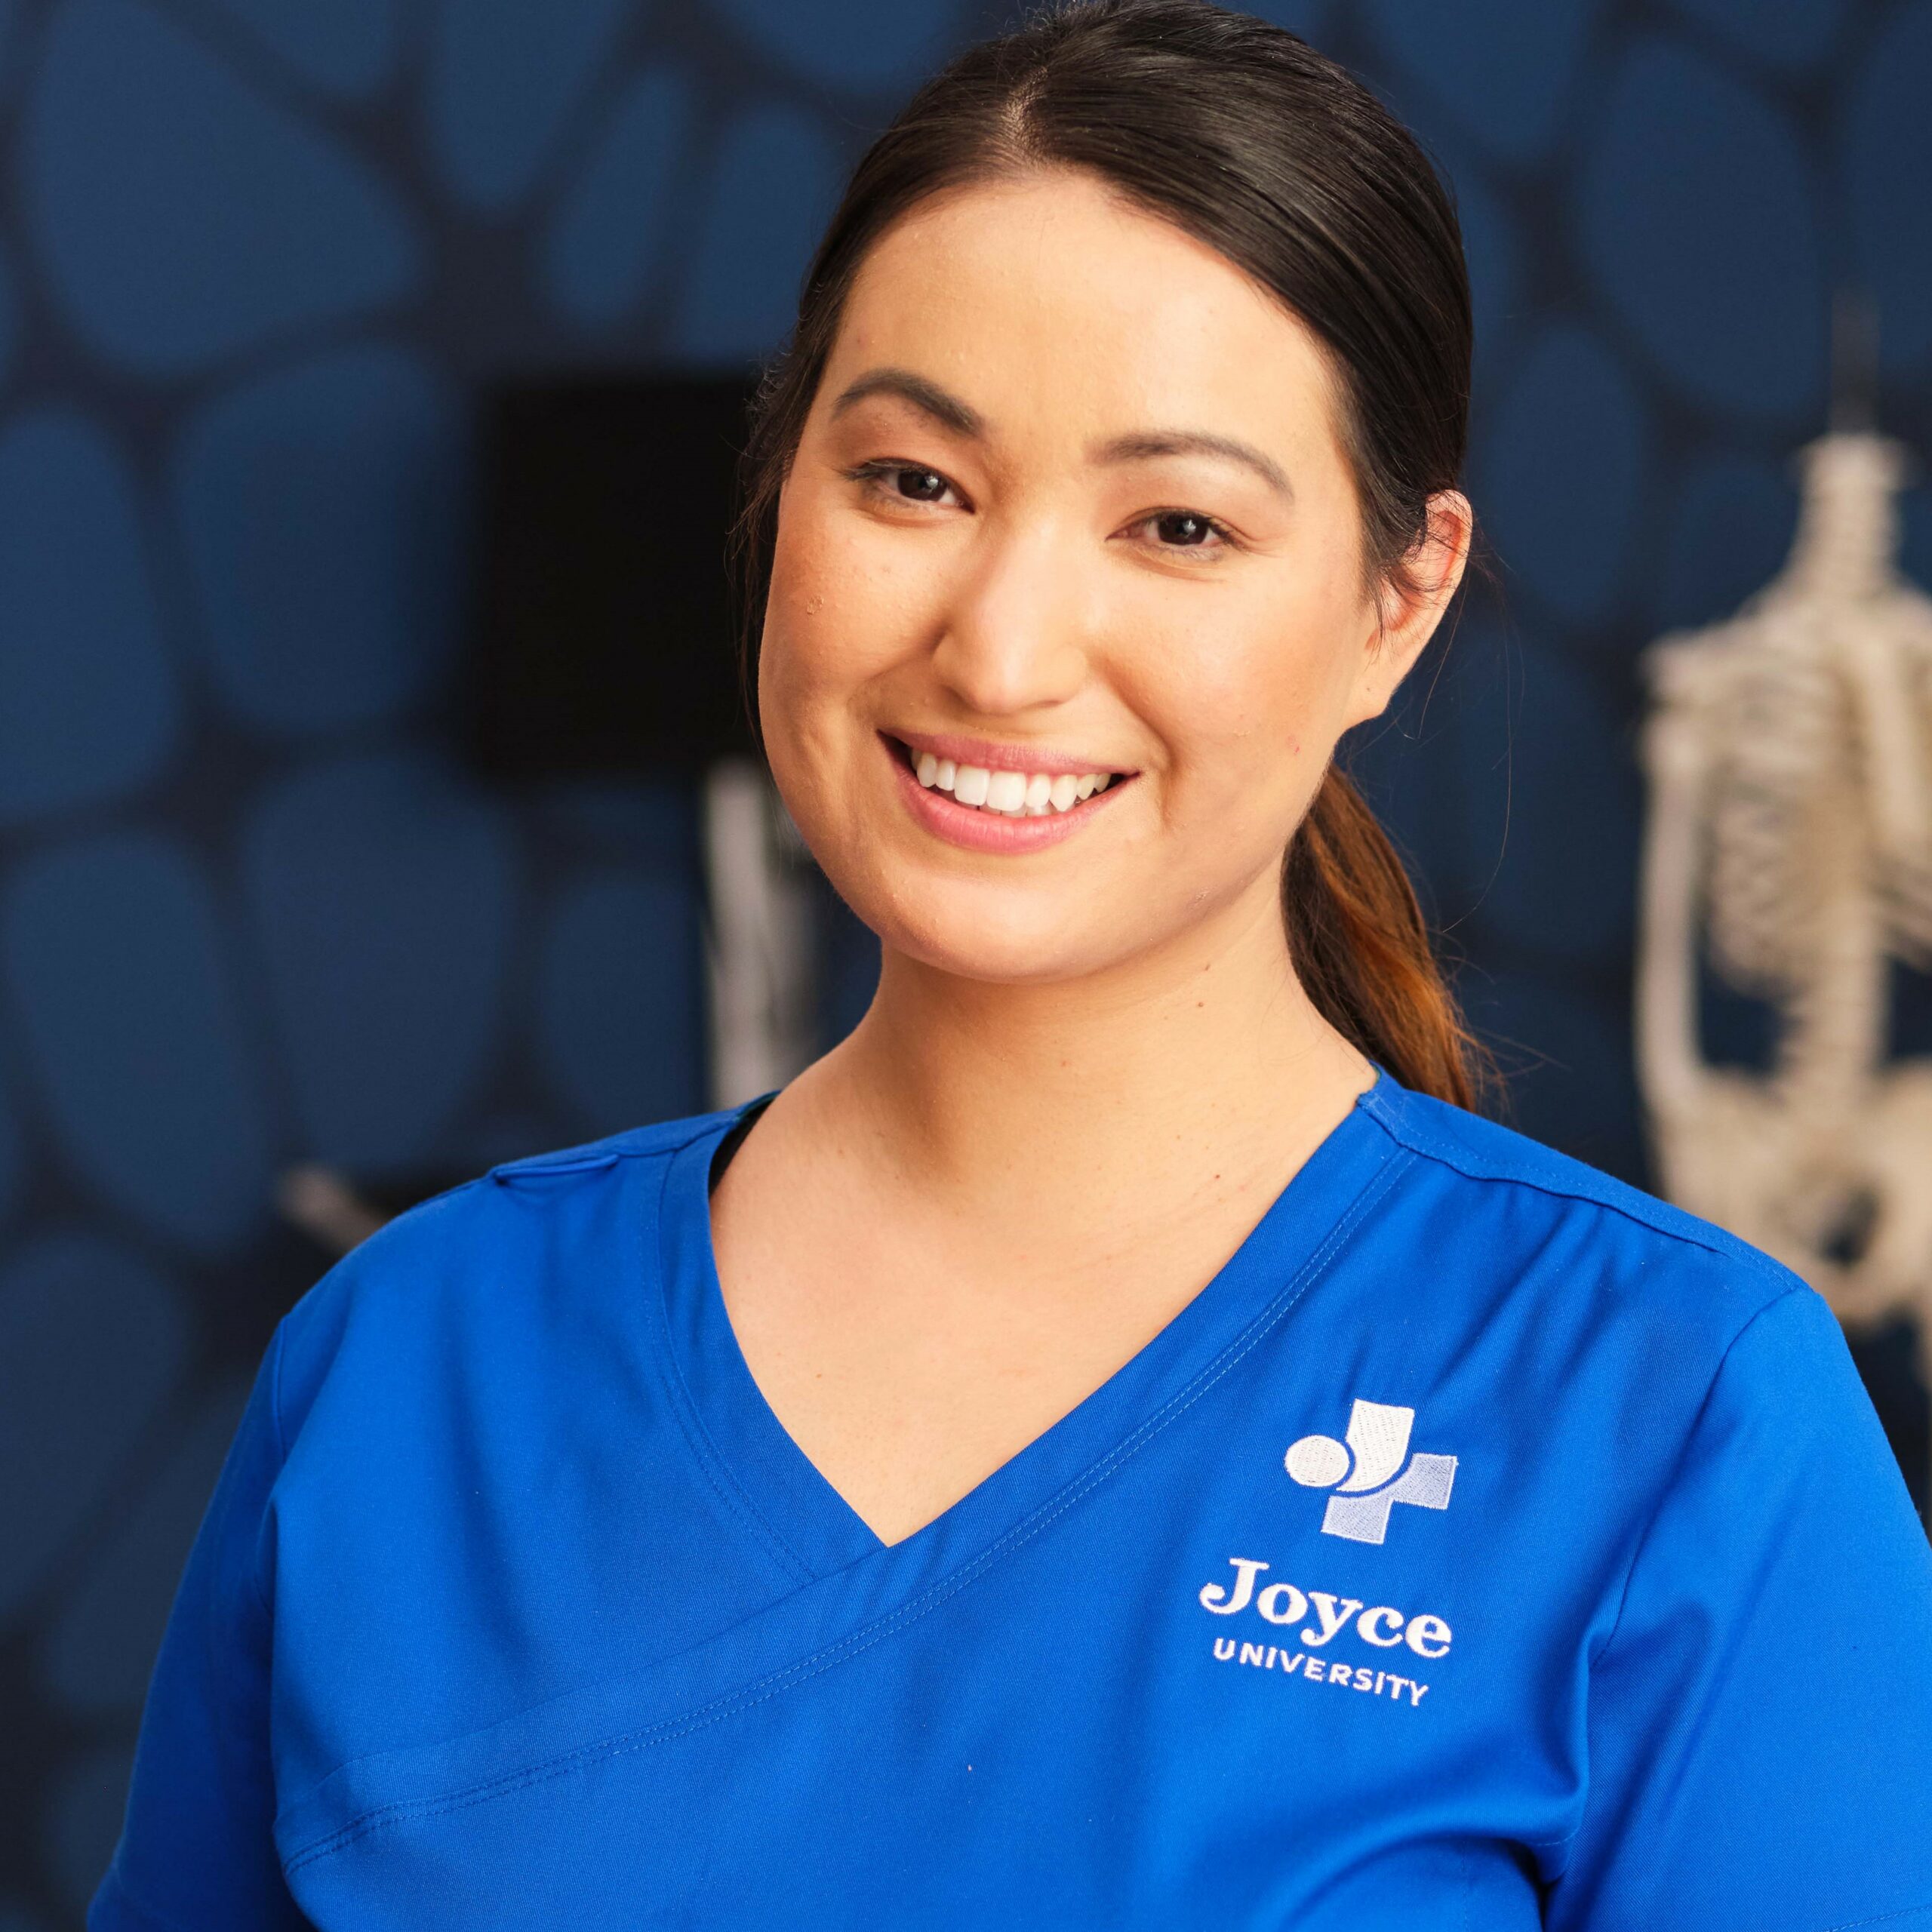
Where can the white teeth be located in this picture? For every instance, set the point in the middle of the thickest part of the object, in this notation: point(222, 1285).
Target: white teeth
point(1006, 791)
point(1010, 794)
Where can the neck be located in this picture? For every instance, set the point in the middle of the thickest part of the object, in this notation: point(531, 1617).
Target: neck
point(1202, 1063)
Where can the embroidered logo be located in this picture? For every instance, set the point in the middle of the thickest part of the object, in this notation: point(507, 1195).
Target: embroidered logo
point(1367, 1472)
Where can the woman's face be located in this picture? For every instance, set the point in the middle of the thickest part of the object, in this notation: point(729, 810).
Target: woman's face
point(1070, 504)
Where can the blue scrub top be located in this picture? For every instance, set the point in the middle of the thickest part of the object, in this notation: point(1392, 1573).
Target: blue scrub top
point(1487, 1545)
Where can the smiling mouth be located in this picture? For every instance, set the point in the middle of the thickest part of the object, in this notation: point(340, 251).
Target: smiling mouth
point(1005, 794)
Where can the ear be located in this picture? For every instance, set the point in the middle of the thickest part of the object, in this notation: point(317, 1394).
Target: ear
point(1403, 619)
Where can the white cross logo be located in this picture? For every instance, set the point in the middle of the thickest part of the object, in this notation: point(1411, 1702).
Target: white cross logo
point(1367, 1472)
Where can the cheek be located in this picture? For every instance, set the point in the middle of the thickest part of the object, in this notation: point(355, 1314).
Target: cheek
point(1255, 700)
point(834, 611)
point(807, 612)
point(829, 637)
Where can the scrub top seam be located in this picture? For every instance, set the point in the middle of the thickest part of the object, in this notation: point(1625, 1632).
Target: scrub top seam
point(844, 1649)
point(1883, 1918)
point(1669, 1485)
point(1399, 1129)
point(703, 1451)
point(589, 1154)
point(1642, 1542)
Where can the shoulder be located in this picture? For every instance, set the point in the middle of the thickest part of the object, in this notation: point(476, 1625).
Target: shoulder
point(657, 1142)
point(1645, 1352)
point(469, 1274)
point(1490, 1154)
point(1561, 1229)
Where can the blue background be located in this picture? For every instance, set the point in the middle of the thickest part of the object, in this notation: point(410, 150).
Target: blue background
point(253, 256)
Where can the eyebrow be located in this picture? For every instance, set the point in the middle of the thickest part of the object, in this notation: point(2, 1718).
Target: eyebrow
point(1197, 442)
point(946, 409)
point(927, 396)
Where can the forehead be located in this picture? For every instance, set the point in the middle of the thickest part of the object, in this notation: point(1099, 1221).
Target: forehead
point(1050, 300)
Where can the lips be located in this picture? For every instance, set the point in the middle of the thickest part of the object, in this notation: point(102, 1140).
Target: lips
point(998, 806)
point(1012, 793)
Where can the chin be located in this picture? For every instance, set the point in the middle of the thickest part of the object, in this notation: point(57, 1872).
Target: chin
point(995, 966)
point(1023, 941)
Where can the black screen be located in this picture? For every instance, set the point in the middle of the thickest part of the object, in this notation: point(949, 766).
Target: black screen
point(602, 634)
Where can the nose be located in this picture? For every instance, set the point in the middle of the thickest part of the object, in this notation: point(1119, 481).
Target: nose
point(1012, 639)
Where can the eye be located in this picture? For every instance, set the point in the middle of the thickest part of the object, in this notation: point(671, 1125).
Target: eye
point(899, 482)
point(1189, 530)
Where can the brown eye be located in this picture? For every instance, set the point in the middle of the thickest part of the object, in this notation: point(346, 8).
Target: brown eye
point(905, 482)
point(926, 485)
point(1183, 529)
point(1191, 531)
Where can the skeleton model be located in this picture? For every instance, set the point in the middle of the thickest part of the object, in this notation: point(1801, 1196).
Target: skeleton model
point(1790, 757)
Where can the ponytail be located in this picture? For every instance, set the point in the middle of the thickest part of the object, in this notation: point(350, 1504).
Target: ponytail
point(1361, 950)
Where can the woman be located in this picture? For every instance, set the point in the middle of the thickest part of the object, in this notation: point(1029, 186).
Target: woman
point(1115, 1444)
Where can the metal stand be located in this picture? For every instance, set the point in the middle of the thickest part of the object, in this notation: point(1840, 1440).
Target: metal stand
point(759, 940)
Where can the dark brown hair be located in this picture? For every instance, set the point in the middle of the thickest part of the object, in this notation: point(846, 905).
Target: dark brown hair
point(1241, 134)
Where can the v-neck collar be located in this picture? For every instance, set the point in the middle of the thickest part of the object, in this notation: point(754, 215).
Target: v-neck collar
point(805, 1519)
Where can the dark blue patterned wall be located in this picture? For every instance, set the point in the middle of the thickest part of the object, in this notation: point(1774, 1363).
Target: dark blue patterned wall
point(252, 255)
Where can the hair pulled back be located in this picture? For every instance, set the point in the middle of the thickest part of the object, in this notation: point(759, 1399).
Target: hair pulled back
point(1243, 137)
